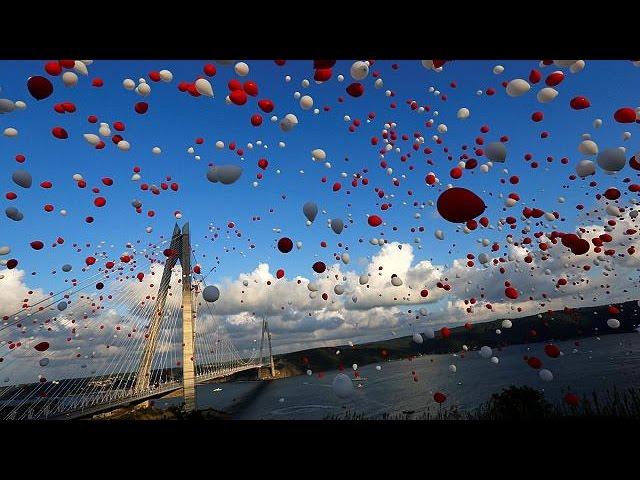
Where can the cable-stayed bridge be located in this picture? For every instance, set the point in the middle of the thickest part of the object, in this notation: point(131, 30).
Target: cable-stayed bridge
point(118, 338)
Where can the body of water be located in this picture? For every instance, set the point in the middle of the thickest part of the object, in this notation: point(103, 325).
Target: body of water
point(591, 365)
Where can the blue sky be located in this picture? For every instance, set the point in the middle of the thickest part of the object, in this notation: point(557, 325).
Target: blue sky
point(176, 119)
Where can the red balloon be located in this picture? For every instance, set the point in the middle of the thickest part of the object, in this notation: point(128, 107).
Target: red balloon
point(234, 85)
point(42, 346)
point(374, 220)
point(285, 245)
point(459, 205)
point(322, 74)
point(266, 105)
point(552, 350)
point(571, 399)
point(90, 260)
point(141, 107)
point(511, 293)
point(256, 120)
point(445, 332)
point(280, 273)
point(263, 163)
point(439, 397)
point(318, 64)
point(107, 181)
point(319, 267)
point(535, 76)
point(53, 68)
point(578, 246)
point(534, 362)
point(140, 276)
point(37, 245)
point(554, 79)
point(60, 133)
point(625, 115)
point(210, 69)
point(238, 97)
point(579, 103)
point(355, 89)
point(612, 193)
point(250, 88)
point(39, 87)
point(100, 202)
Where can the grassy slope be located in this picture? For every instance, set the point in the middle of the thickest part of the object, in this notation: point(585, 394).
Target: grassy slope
point(559, 325)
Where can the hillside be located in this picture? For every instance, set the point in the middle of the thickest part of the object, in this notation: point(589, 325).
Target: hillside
point(550, 327)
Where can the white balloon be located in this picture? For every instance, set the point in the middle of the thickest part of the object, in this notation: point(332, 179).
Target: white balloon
point(577, 67)
point(128, 84)
point(585, 168)
point(453, 368)
point(613, 323)
point(10, 132)
point(123, 145)
point(547, 94)
point(342, 386)
point(318, 154)
point(306, 102)
point(498, 69)
point(396, 281)
point(288, 122)
point(69, 79)
point(144, 89)
point(429, 333)
point(588, 147)
point(203, 86)
point(545, 375)
point(359, 70)
point(486, 352)
point(241, 69)
point(507, 324)
point(80, 67)
point(165, 75)
point(463, 113)
point(92, 138)
point(417, 338)
point(517, 87)
point(211, 293)
point(612, 159)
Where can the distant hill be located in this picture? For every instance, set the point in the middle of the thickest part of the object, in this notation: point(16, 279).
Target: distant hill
point(549, 327)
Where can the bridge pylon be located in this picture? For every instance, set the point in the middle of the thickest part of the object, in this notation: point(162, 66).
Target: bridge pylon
point(181, 251)
point(265, 331)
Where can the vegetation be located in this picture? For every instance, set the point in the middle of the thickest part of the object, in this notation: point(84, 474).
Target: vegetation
point(550, 326)
point(524, 403)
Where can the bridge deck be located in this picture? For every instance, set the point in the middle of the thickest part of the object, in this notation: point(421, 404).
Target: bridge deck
point(125, 397)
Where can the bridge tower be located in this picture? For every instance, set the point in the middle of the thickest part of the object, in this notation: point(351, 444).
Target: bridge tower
point(181, 247)
point(265, 331)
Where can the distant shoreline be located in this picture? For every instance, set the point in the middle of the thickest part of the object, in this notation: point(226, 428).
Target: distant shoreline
point(559, 325)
